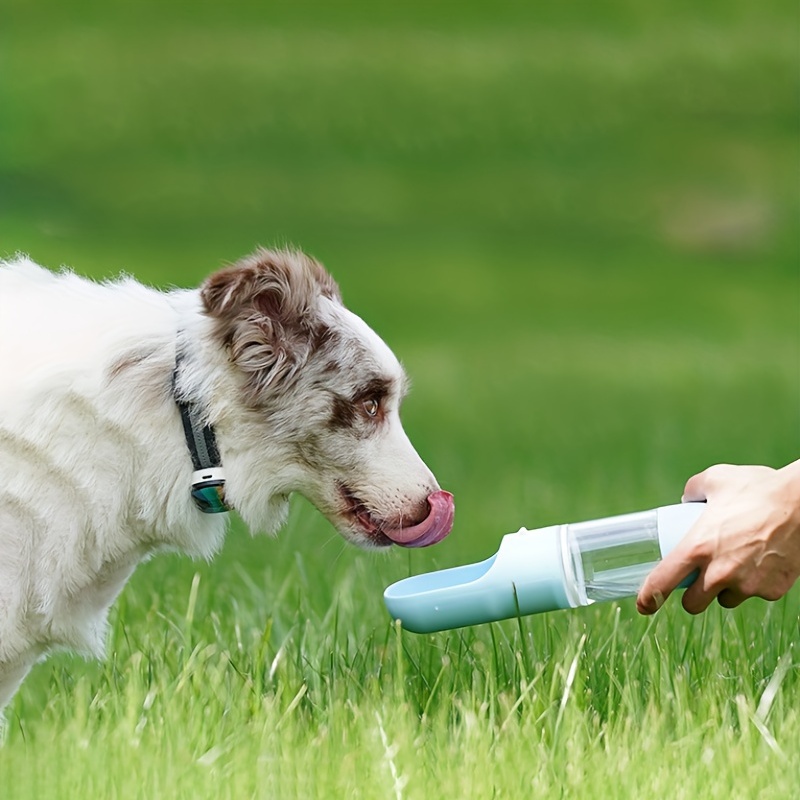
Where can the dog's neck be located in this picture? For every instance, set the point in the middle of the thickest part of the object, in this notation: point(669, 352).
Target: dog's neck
point(208, 479)
point(260, 471)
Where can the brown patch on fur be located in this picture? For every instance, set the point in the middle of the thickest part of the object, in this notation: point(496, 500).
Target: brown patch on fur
point(343, 413)
point(265, 309)
point(279, 284)
point(321, 336)
point(374, 389)
point(346, 411)
point(128, 361)
point(332, 367)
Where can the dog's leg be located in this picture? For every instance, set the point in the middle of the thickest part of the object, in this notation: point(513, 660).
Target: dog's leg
point(11, 676)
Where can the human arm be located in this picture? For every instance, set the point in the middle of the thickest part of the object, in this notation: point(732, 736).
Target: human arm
point(745, 544)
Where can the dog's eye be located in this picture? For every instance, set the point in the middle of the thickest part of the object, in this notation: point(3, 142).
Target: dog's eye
point(371, 406)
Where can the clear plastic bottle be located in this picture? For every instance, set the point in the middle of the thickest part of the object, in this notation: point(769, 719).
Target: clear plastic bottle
point(609, 558)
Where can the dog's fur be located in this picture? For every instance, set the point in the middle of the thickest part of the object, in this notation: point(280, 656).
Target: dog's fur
point(94, 467)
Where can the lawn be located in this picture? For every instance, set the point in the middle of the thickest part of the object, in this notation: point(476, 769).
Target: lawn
point(576, 224)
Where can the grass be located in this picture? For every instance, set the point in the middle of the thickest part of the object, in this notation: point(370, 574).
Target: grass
point(578, 230)
point(269, 700)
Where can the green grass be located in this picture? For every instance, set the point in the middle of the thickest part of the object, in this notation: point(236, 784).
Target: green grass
point(576, 224)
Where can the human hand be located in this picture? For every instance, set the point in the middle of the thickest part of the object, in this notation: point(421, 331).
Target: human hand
point(745, 544)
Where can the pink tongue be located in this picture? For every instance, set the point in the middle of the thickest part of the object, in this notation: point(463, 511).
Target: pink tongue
point(432, 529)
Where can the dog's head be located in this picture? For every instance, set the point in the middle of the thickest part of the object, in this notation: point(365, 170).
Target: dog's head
point(317, 407)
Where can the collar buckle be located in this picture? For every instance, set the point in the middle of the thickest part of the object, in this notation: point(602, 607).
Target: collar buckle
point(208, 490)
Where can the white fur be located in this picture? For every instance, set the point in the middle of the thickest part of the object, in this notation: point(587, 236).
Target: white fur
point(94, 468)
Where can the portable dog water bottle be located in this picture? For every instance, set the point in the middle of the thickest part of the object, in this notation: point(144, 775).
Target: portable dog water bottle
point(561, 566)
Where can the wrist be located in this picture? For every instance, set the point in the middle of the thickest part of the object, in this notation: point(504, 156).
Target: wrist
point(789, 481)
point(790, 474)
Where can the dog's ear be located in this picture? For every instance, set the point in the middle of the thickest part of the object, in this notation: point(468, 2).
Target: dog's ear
point(262, 287)
point(265, 307)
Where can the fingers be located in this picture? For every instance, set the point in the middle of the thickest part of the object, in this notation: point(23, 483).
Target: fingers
point(650, 600)
point(718, 581)
point(696, 599)
point(695, 602)
point(694, 491)
point(730, 598)
point(729, 544)
point(723, 478)
point(664, 579)
point(699, 596)
point(699, 486)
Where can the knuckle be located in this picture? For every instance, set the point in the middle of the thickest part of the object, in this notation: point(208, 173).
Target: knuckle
point(699, 549)
point(749, 586)
point(772, 592)
point(716, 578)
point(694, 486)
point(719, 473)
point(712, 472)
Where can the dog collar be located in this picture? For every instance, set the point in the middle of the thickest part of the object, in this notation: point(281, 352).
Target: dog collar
point(208, 478)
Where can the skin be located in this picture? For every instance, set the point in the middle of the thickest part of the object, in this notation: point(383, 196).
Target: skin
point(746, 544)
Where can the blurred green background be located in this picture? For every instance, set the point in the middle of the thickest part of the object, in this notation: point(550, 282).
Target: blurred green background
point(576, 224)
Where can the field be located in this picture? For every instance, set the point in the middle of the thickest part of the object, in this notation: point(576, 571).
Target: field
point(577, 226)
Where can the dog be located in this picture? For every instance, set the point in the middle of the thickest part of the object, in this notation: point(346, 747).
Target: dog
point(132, 419)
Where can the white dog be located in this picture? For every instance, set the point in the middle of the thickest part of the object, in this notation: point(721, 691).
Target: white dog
point(125, 413)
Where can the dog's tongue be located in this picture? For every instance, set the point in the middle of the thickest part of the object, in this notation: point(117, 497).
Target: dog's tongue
point(432, 529)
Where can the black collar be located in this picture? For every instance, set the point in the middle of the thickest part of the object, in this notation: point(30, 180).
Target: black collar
point(208, 479)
